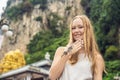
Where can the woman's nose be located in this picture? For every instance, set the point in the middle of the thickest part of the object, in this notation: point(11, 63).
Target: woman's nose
point(77, 29)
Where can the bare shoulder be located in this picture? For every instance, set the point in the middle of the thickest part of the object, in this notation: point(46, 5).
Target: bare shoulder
point(59, 51)
point(99, 57)
point(61, 48)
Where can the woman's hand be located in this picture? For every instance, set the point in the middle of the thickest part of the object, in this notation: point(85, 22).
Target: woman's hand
point(76, 46)
point(73, 48)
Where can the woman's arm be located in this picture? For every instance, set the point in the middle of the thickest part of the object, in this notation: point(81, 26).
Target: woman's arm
point(60, 59)
point(100, 66)
point(58, 64)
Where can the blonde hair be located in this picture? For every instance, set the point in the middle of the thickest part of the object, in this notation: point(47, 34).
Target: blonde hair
point(90, 43)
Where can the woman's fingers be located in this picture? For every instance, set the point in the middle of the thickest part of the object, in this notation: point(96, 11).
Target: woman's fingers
point(76, 46)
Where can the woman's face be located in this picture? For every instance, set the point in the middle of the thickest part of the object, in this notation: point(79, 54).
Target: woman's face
point(77, 29)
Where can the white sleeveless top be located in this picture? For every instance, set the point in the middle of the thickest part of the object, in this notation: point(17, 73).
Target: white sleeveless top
point(79, 71)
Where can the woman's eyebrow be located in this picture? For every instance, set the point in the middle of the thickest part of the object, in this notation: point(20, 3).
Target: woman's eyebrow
point(80, 25)
point(72, 26)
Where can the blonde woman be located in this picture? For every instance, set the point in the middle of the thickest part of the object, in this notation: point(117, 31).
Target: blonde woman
point(80, 59)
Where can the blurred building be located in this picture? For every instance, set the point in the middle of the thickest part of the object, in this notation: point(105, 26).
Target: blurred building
point(35, 71)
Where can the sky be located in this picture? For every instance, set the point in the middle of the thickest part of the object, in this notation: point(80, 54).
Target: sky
point(3, 3)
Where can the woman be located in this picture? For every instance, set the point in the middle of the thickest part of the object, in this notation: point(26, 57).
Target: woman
point(80, 59)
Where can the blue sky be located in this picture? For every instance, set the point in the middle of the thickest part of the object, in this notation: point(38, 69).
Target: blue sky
point(2, 4)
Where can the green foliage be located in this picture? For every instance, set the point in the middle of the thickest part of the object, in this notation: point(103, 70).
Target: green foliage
point(43, 7)
point(13, 13)
point(112, 68)
point(111, 53)
point(95, 10)
point(56, 24)
point(86, 6)
point(84, 3)
point(39, 48)
point(40, 41)
point(16, 12)
point(33, 58)
point(35, 2)
point(68, 8)
point(43, 3)
point(27, 7)
point(109, 76)
point(39, 18)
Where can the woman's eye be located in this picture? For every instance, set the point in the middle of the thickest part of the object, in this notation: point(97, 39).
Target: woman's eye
point(73, 28)
point(80, 26)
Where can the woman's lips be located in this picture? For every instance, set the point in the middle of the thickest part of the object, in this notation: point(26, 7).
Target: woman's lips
point(77, 36)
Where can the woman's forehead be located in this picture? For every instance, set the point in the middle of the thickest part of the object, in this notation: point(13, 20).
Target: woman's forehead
point(77, 21)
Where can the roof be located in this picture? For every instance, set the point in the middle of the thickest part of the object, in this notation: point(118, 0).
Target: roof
point(33, 68)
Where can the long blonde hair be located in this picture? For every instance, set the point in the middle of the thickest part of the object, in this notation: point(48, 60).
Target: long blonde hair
point(90, 43)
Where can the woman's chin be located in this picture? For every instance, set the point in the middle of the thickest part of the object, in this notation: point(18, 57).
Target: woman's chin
point(77, 39)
